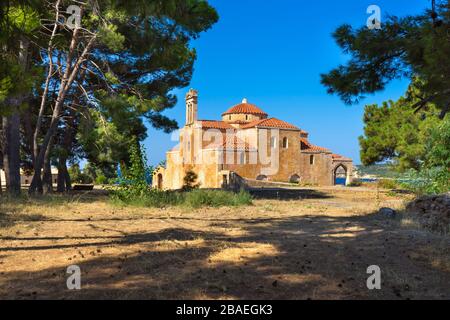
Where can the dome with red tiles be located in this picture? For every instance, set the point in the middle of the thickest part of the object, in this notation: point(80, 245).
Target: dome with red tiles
point(245, 108)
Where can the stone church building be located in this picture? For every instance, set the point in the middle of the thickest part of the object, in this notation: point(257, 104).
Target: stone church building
point(247, 145)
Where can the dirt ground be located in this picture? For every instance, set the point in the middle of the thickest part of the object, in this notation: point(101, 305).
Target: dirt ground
point(314, 244)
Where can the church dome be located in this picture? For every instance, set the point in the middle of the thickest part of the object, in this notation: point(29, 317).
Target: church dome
point(245, 108)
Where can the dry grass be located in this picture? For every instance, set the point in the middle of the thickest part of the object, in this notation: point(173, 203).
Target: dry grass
point(316, 248)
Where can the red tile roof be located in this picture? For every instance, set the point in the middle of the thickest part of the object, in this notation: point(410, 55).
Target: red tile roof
point(212, 124)
point(270, 123)
point(308, 147)
point(340, 158)
point(246, 108)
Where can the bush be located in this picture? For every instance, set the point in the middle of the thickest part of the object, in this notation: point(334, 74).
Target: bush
point(189, 181)
point(428, 181)
point(216, 198)
point(134, 186)
point(101, 179)
point(77, 176)
point(355, 183)
point(152, 198)
point(192, 199)
point(387, 184)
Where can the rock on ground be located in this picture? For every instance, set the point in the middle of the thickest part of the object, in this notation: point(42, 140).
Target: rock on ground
point(432, 212)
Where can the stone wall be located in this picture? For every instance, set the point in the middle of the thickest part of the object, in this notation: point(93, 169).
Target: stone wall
point(319, 172)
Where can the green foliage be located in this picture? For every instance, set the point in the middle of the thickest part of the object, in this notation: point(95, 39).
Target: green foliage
point(434, 174)
point(142, 52)
point(105, 142)
point(394, 132)
point(191, 199)
point(77, 176)
point(134, 184)
point(189, 181)
point(413, 46)
point(438, 145)
point(216, 198)
point(428, 181)
point(23, 19)
point(101, 180)
point(387, 184)
point(5, 86)
point(355, 183)
point(153, 198)
point(111, 38)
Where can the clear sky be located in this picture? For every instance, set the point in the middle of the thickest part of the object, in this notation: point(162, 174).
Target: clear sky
point(273, 52)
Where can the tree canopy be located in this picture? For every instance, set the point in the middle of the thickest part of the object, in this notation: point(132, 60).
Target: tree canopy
point(394, 132)
point(87, 89)
point(407, 47)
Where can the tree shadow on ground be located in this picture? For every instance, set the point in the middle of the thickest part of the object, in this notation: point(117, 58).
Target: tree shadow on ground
point(10, 219)
point(306, 257)
point(287, 194)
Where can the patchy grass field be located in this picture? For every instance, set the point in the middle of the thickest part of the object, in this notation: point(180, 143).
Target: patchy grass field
point(317, 247)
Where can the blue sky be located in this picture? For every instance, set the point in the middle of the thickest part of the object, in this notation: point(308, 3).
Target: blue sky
point(273, 52)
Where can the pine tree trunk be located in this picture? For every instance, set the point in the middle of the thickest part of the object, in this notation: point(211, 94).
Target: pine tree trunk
point(11, 147)
point(61, 183)
point(67, 179)
point(66, 82)
point(2, 143)
point(11, 128)
point(64, 181)
point(47, 182)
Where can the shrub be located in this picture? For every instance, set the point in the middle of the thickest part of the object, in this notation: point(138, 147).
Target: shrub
point(191, 199)
point(428, 181)
point(134, 186)
point(77, 176)
point(152, 198)
point(387, 184)
point(355, 183)
point(189, 181)
point(433, 176)
point(216, 198)
point(101, 179)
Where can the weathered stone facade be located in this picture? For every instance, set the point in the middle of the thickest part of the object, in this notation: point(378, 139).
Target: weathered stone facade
point(248, 143)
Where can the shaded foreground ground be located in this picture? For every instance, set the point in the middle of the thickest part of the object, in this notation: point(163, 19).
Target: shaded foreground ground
point(314, 248)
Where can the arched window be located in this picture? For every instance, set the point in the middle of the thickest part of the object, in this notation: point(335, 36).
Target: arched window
point(311, 159)
point(285, 143)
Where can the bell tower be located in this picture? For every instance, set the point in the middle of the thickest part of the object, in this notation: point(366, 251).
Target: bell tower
point(191, 106)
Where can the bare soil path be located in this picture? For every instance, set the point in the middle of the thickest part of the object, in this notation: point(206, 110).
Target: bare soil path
point(315, 245)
